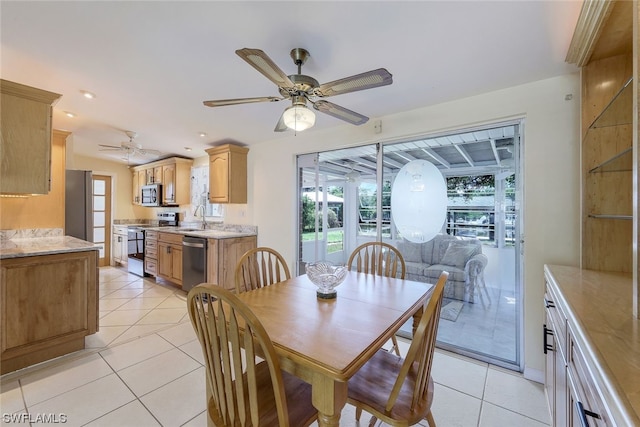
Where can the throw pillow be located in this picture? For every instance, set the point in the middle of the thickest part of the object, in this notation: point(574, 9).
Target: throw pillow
point(457, 254)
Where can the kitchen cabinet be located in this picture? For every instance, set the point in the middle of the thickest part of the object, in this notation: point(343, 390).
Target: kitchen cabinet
point(120, 244)
point(602, 46)
point(170, 257)
point(153, 175)
point(591, 348)
point(228, 174)
point(25, 113)
point(151, 252)
point(223, 256)
point(173, 173)
point(49, 304)
point(139, 179)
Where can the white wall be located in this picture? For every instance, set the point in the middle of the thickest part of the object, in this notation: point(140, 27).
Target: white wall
point(551, 178)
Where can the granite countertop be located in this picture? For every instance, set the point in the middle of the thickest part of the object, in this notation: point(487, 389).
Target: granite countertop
point(600, 310)
point(208, 233)
point(23, 247)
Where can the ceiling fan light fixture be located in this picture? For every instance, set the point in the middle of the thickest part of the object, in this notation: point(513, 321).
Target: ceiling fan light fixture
point(298, 117)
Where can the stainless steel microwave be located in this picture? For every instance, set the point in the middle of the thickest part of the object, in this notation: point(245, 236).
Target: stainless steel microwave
point(152, 195)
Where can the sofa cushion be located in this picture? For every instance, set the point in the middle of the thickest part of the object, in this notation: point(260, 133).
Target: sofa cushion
point(427, 251)
point(458, 253)
point(415, 268)
point(411, 252)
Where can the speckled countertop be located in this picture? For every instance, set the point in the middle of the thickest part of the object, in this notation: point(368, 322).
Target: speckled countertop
point(31, 246)
point(208, 233)
point(599, 310)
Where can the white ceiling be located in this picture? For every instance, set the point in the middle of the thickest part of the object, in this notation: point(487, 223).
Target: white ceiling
point(151, 64)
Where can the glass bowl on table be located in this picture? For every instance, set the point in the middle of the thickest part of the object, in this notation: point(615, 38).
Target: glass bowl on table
point(326, 276)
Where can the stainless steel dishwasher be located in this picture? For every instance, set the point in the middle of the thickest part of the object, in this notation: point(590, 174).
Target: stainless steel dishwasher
point(194, 262)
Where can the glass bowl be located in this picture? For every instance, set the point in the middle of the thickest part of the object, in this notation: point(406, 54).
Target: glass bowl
point(326, 276)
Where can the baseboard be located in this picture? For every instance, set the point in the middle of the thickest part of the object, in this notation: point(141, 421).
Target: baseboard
point(534, 375)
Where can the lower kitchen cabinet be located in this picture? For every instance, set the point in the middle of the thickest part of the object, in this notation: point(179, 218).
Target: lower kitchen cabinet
point(49, 303)
point(119, 245)
point(223, 256)
point(590, 341)
point(151, 253)
point(170, 257)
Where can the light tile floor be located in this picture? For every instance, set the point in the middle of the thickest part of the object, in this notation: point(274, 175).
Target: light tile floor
point(145, 368)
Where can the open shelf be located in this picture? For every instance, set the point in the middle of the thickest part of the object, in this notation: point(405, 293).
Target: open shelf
point(618, 111)
point(618, 163)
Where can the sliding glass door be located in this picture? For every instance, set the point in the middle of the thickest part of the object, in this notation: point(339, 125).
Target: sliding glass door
point(345, 200)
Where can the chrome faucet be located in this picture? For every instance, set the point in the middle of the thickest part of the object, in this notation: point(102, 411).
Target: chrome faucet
point(204, 221)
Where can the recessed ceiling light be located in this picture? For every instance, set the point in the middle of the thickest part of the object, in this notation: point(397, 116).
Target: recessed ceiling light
point(187, 148)
point(69, 114)
point(202, 134)
point(87, 94)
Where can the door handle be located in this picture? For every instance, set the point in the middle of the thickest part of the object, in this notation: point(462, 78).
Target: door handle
point(545, 345)
point(583, 413)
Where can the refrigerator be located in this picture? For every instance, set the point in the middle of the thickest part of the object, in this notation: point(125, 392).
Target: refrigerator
point(78, 205)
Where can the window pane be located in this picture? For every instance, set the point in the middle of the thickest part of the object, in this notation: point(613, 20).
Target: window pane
point(99, 187)
point(98, 203)
point(98, 219)
point(98, 235)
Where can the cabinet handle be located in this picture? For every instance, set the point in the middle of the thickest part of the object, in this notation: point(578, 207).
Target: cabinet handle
point(545, 333)
point(119, 239)
point(168, 249)
point(583, 413)
point(549, 303)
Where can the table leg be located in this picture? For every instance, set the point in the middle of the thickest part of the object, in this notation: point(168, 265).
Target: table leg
point(416, 320)
point(328, 397)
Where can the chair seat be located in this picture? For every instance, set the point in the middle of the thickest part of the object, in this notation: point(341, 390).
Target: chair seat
point(370, 390)
point(298, 397)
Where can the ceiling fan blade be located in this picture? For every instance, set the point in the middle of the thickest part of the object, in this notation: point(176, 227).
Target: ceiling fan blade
point(110, 146)
point(261, 62)
point(340, 112)
point(151, 153)
point(281, 127)
point(223, 102)
point(367, 80)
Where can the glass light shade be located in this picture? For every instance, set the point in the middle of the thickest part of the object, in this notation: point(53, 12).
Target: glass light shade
point(419, 201)
point(298, 117)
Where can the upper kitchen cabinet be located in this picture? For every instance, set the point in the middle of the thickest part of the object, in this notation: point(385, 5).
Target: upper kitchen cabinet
point(228, 174)
point(173, 173)
point(25, 151)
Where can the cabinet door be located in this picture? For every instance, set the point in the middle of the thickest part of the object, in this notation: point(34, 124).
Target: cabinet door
point(165, 260)
point(117, 248)
point(231, 252)
point(135, 189)
point(157, 175)
point(176, 264)
point(169, 183)
point(219, 178)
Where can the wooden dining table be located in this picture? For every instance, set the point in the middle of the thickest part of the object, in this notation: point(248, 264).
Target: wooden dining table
point(325, 342)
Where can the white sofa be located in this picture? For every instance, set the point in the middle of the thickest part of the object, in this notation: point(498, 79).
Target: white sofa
point(461, 257)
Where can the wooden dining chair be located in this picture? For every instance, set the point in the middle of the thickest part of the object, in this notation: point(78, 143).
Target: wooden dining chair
point(245, 385)
point(260, 267)
point(400, 391)
point(381, 259)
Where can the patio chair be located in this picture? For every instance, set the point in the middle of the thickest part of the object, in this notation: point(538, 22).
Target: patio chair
point(260, 267)
point(400, 391)
point(381, 259)
point(245, 385)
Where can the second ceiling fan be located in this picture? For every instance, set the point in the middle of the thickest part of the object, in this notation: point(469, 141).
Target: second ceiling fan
point(301, 89)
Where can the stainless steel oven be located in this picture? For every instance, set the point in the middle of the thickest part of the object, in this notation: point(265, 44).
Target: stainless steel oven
point(136, 235)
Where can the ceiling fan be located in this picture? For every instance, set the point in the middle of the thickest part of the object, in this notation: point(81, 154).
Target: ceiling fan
point(130, 148)
point(301, 89)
